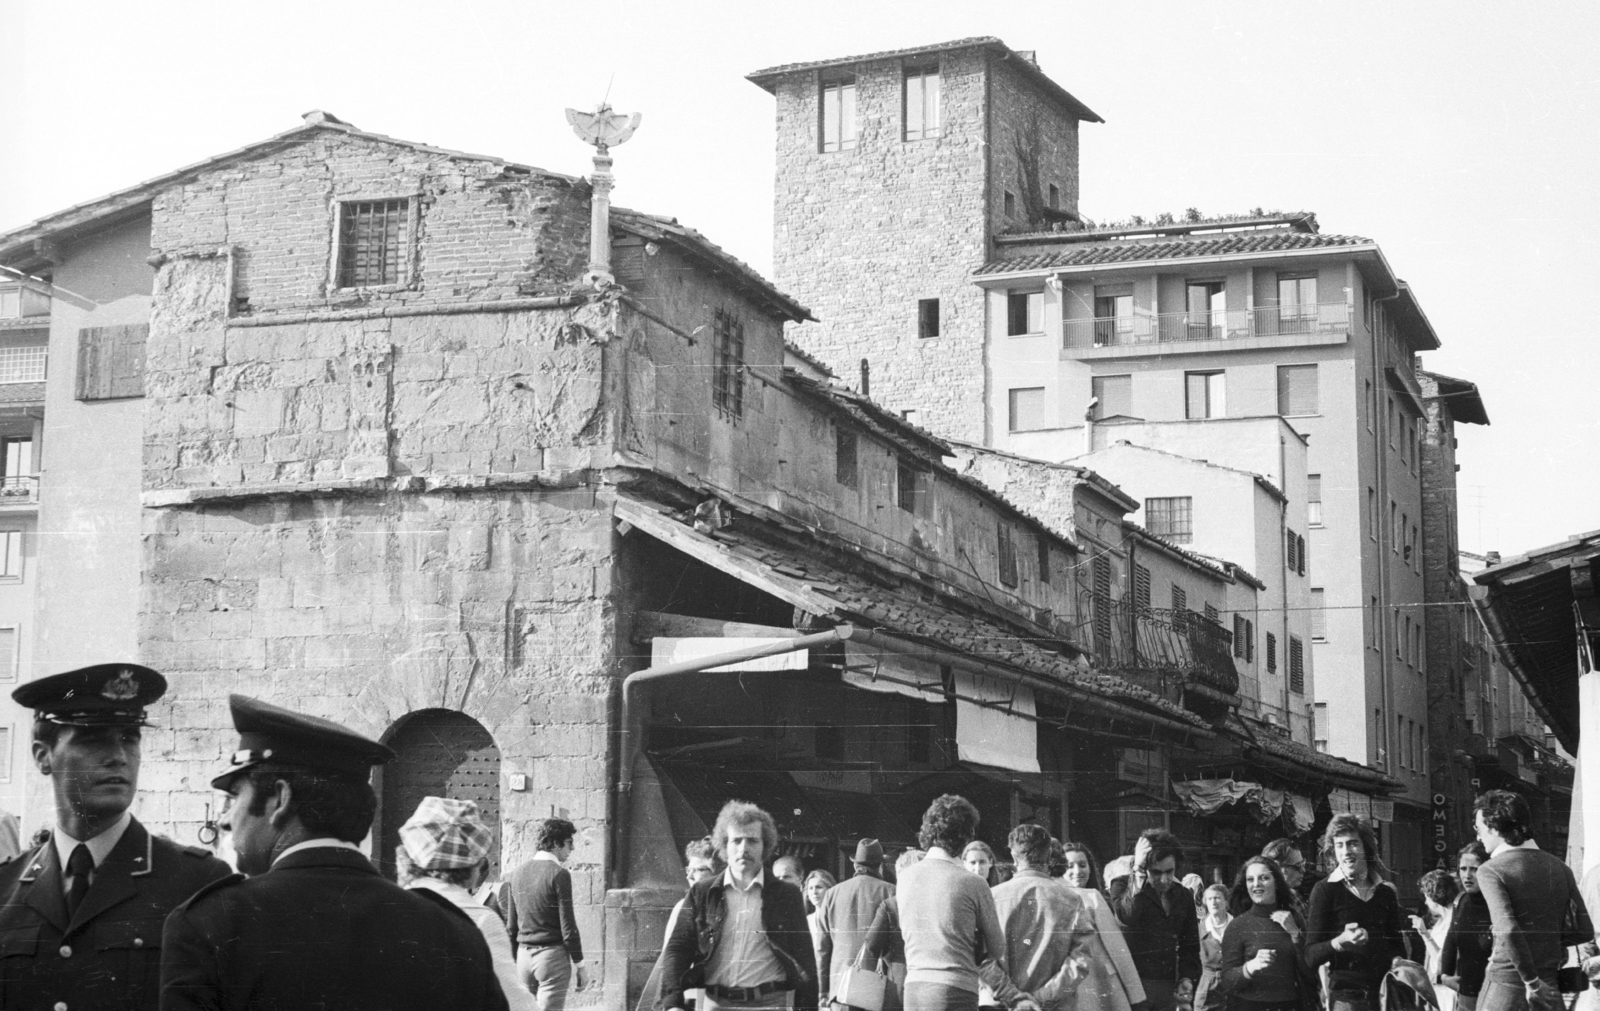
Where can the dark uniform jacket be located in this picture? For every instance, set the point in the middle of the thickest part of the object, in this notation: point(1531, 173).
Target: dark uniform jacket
point(1162, 931)
point(322, 929)
point(699, 930)
point(109, 954)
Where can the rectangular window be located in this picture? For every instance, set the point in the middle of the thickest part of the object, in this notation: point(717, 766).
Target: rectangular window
point(1172, 518)
point(1010, 204)
point(1297, 303)
point(1026, 409)
point(1394, 526)
point(111, 361)
point(1415, 555)
point(1289, 550)
point(5, 754)
point(911, 487)
point(1272, 653)
point(1055, 197)
point(1141, 587)
point(23, 364)
point(373, 247)
point(1372, 512)
point(922, 103)
point(1044, 559)
point(1372, 406)
point(1374, 623)
point(844, 457)
point(1297, 665)
point(1113, 396)
point(1249, 641)
point(1205, 395)
point(1101, 571)
point(1319, 617)
point(1399, 638)
point(839, 114)
point(1314, 499)
point(1297, 390)
point(1238, 636)
point(10, 554)
point(727, 364)
point(18, 478)
point(1394, 423)
point(10, 303)
point(1180, 606)
point(1024, 313)
point(1207, 311)
point(1401, 740)
point(1212, 615)
point(1113, 314)
point(1416, 645)
point(1319, 726)
point(927, 317)
point(8, 653)
point(1008, 556)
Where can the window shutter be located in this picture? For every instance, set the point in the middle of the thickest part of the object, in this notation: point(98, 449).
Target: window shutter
point(1249, 641)
point(1141, 587)
point(1008, 556)
point(1102, 604)
point(1297, 389)
point(111, 361)
point(1211, 613)
point(1238, 636)
point(1288, 550)
point(1300, 554)
point(1272, 652)
point(1297, 670)
point(8, 654)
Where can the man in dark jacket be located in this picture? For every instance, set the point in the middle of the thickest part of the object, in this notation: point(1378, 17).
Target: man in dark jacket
point(743, 934)
point(846, 913)
point(81, 912)
point(1158, 920)
point(316, 926)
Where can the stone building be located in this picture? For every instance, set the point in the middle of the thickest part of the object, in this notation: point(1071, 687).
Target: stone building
point(342, 426)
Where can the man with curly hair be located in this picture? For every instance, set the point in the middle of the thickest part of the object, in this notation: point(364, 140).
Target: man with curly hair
point(1158, 917)
point(743, 934)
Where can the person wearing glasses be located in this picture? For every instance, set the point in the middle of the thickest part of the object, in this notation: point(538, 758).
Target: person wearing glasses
point(1292, 862)
point(1158, 920)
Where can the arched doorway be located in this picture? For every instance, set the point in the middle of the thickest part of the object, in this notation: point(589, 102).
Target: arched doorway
point(441, 753)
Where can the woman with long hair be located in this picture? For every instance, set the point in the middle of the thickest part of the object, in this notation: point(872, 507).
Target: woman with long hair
point(817, 884)
point(1112, 983)
point(1439, 890)
point(1263, 947)
point(1470, 939)
point(979, 859)
point(1355, 926)
point(1213, 922)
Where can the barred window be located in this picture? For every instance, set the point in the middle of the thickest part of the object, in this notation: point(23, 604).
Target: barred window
point(1171, 518)
point(372, 242)
point(727, 364)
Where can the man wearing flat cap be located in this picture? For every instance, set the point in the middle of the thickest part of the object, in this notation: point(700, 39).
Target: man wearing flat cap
point(81, 913)
point(846, 912)
point(315, 925)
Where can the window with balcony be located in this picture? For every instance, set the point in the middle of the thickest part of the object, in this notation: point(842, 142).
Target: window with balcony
point(1249, 641)
point(838, 113)
point(1100, 570)
point(1024, 313)
point(19, 479)
point(1113, 396)
point(1180, 606)
point(927, 317)
point(1314, 499)
point(1172, 518)
point(10, 554)
point(844, 457)
point(1238, 636)
point(374, 244)
point(922, 100)
point(727, 364)
point(1205, 395)
point(1113, 314)
point(1297, 390)
point(1297, 302)
point(1027, 409)
point(1207, 311)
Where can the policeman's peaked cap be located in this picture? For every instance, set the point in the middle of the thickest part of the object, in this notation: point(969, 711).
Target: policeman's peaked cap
point(100, 695)
point(269, 733)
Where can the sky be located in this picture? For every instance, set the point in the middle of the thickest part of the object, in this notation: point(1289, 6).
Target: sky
point(1462, 136)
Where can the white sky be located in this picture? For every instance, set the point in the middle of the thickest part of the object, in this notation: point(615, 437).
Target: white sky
point(1459, 135)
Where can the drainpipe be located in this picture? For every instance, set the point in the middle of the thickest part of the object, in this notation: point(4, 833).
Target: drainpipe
point(1283, 593)
point(1382, 463)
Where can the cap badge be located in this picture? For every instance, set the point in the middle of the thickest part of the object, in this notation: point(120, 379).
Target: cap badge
point(121, 688)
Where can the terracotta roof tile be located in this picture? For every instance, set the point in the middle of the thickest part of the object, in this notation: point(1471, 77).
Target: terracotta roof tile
point(1134, 252)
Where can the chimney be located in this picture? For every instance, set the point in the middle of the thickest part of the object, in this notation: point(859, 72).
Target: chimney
point(1029, 56)
point(604, 129)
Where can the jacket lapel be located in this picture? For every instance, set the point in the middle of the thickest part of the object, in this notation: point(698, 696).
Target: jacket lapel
point(43, 878)
point(113, 879)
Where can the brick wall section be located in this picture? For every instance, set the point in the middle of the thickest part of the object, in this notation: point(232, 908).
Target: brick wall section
point(860, 236)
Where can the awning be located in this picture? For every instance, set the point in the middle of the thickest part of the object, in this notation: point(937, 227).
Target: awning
point(1208, 796)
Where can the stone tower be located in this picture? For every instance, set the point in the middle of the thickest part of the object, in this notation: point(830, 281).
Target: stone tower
point(894, 172)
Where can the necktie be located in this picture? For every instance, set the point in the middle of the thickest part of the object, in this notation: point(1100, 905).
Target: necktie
point(79, 866)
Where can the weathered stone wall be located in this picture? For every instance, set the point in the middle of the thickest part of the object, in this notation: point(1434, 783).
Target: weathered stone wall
point(1033, 144)
point(861, 235)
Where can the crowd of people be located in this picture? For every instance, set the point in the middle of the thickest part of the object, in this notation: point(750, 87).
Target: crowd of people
point(960, 930)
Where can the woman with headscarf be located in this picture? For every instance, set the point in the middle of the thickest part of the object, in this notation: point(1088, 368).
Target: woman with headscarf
point(444, 848)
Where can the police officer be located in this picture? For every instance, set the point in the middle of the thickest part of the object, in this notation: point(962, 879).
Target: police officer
point(81, 913)
point(315, 925)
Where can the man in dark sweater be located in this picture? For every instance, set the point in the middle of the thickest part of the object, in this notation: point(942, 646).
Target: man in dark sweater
point(549, 950)
point(1158, 919)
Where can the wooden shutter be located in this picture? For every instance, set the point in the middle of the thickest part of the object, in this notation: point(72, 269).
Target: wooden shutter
point(1297, 670)
point(1272, 652)
point(1238, 636)
point(111, 361)
point(1102, 604)
point(1141, 587)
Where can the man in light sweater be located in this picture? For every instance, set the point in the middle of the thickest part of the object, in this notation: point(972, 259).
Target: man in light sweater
point(948, 919)
point(1531, 895)
point(540, 920)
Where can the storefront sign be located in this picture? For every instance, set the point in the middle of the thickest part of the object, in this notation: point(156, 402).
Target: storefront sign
point(1441, 822)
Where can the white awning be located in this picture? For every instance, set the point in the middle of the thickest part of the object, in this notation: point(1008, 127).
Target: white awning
point(1002, 734)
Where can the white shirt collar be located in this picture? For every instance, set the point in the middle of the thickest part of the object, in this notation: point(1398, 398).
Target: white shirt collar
point(327, 842)
point(455, 893)
point(100, 846)
point(1526, 844)
point(728, 880)
point(546, 855)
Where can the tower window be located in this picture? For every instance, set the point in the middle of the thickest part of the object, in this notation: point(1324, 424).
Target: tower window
point(839, 114)
point(927, 317)
point(922, 101)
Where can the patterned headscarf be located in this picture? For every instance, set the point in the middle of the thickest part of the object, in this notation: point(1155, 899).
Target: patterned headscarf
point(446, 834)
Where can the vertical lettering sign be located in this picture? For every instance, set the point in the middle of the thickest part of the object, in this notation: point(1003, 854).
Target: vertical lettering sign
point(1441, 843)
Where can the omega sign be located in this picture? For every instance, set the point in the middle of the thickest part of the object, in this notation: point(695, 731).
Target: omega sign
point(1441, 847)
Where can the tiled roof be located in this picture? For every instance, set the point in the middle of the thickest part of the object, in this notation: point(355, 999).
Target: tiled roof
point(764, 78)
point(1331, 766)
point(1135, 252)
point(21, 393)
point(656, 227)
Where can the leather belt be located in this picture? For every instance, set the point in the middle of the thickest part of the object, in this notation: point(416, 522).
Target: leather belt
point(748, 993)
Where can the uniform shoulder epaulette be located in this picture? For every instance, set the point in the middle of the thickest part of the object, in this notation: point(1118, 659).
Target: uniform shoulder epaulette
point(212, 886)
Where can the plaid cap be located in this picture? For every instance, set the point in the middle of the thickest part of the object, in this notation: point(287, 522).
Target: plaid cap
point(446, 834)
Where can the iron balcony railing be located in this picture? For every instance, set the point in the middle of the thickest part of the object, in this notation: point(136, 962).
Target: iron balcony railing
point(1163, 641)
point(1221, 324)
point(20, 490)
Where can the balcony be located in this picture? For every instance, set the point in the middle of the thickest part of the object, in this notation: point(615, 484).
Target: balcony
point(1163, 649)
point(1320, 322)
point(22, 490)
